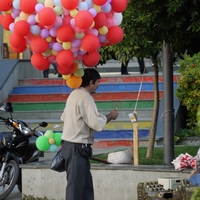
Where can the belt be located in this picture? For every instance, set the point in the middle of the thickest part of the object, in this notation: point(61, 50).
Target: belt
point(83, 144)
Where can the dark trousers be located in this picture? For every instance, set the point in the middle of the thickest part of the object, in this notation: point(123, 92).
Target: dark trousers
point(79, 178)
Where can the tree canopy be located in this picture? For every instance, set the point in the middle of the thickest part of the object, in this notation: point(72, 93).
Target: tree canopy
point(147, 23)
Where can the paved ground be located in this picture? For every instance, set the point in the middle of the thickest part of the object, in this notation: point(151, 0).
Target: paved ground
point(15, 195)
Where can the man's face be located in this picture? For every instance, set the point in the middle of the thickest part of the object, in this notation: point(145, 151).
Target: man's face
point(94, 86)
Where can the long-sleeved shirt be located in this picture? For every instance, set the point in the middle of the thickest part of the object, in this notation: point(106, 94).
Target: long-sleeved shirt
point(81, 118)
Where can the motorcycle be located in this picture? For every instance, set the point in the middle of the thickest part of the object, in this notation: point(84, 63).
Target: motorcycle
point(16, 147)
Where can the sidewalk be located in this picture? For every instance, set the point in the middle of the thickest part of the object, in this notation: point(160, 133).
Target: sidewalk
point(15, 195)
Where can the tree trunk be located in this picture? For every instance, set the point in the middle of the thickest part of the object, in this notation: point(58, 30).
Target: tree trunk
point(152, 133)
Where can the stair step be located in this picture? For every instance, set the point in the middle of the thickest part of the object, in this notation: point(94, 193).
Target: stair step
point(57, 125)
point(108, 79)
point(45, 106)
point(55, 114)
point(144, 95)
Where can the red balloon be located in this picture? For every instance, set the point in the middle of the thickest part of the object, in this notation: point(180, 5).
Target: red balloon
point(65, 33)
point(91, 59)
point(70, 4)
point(16, 41)
point(65, 70)
point(99, 2)
point(47, 16)
point(90, 43)
point(20, 49)
point(83, 19)
point(119, 6)
point(22, 28)
point(6, 20)
point(100, 20)
point(65, 58)
point(28, 6)
point(115, 34)
point(5, 5)
point(39, 62)
point(39, 45)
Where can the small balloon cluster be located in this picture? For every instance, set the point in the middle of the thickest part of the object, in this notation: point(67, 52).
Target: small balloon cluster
point(62, 31)
point(49, 141)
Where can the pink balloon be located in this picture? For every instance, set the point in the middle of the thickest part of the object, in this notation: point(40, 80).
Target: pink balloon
point(52, 32)
point(39, 7)
point(31, 19)
point(76, 43)
point(57, 46)
point(44, 33)
point(58, 21)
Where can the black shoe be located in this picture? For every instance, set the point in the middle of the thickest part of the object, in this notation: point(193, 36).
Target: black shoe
point(46, 77)
point(126, 73)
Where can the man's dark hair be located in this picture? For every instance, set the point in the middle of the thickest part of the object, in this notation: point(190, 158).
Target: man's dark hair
point(90, 74)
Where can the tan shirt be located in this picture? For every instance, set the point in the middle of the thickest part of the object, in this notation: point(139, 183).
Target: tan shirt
point(81, 118)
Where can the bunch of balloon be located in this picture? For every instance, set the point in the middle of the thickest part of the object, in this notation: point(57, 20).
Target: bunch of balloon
point(63, 31)
point(74, 80)
point(49, 141)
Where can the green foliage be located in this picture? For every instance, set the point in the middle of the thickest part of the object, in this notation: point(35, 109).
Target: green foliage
point(196, 194)
point(188, 86)
point(147, 23)
point(31, 197)
point(183, 134)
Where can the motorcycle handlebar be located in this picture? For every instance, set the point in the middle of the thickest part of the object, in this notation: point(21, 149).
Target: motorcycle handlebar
point(3, 118)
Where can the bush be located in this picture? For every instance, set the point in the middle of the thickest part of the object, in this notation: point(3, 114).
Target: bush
point(188, 87)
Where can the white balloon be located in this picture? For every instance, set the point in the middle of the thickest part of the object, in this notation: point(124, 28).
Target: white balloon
point(35, 29)
point(57, 3)
point(118, 17)
point(16, 4)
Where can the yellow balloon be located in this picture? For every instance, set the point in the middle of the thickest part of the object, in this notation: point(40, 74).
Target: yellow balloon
point(73, 12)
point(49, 3)
point(54, 52)
point(97, 8)
point(58, 40)
point(79, 35)
point(79, 72)
point(103, 30)
point(51, 141)
point(17, 19)
point(66, 76)
point(58, 10)
point(36, 18)
point(47, 53)
point(92, 25)
point(49, 39)
point(41, 1)
point(23, 16)
point(66, 45)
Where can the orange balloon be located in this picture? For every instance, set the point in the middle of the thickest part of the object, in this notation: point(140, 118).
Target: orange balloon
point(74, 82)
point(75, 67)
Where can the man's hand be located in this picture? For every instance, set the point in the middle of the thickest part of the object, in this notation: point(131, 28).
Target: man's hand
point(112, 115)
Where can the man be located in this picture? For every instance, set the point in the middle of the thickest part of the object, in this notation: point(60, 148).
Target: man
point(81, 118)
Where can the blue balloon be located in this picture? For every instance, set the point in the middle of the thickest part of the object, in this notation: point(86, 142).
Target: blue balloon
point(53, 148)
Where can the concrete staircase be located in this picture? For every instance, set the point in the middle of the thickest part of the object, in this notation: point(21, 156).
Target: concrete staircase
point(38, 99)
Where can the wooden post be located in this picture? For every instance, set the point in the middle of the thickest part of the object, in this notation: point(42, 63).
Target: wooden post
point(135, 143)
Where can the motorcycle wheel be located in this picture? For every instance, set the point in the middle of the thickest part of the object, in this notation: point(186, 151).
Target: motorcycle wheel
point(9, 179)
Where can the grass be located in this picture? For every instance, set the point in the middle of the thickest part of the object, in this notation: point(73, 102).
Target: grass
point(158, 154)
